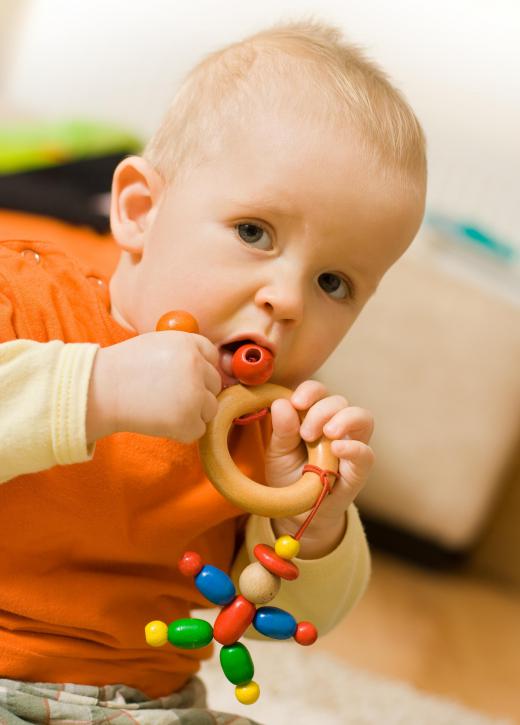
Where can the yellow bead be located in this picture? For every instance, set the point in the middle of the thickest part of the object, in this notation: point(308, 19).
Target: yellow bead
point(247, 694)
point(287, 547)
point(156, 633)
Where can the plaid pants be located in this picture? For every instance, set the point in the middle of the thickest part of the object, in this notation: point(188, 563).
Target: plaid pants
point(44, 703)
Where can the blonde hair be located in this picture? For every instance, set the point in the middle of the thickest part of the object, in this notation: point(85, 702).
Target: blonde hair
point(329, 78)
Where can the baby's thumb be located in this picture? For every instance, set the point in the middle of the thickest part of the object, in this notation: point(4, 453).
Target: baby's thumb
point(286, 428)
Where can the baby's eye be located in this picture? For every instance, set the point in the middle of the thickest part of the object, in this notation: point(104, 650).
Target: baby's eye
point(254, 235)
point(334, 286)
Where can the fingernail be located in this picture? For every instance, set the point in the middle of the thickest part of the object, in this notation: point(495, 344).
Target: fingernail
point(331, 430)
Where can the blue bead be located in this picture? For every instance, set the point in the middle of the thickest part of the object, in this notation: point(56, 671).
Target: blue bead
point(215, 585)
point(274, 622)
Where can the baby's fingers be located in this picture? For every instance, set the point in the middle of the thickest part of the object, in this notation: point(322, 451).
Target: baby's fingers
point(356, 460)
point(286, 428)
point(356, 423)
point(308, 393)
point(319, 414)
point(212, 379)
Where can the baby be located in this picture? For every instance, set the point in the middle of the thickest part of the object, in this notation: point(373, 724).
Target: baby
point(286, 178)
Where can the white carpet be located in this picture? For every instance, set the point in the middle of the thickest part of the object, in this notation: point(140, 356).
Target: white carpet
point(302, 687)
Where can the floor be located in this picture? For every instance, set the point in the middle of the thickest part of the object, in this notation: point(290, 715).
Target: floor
point(443, 633)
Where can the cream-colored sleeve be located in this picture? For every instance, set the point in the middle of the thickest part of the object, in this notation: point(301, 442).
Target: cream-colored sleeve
point(43, 393)
point(327, 588)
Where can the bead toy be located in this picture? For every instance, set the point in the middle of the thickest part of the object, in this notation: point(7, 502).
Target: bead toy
point(260, 581)
point(222, 471)
point(267, 556)
point(230, 624)
point(258, 584)
point(177, 320)
point(252, 364)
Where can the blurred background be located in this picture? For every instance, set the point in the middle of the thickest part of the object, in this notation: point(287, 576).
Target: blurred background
point(436, 353)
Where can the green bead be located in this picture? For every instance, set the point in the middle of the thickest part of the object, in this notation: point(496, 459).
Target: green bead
point(237, 663)
point(190, 633)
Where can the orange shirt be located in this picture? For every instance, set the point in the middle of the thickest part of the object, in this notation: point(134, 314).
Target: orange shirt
point(89, 551)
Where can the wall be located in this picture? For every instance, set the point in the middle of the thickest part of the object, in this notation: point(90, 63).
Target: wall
point(457, 61)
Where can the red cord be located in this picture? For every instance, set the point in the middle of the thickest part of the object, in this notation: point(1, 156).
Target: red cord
point(245, 419)
point(308, 468)
point(322, 473)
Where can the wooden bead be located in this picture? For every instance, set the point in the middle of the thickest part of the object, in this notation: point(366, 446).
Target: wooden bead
point(190, 564)
point(268, 557)
point(215, 585)
point(257, 584)
point(275, 622)
point(247, 694)
point(233, 620)
point(177, 320)
point(190, 633)
point(156, 633)
point(236, 663)
point(287, 547)
point(306, 633)
point(252, 364)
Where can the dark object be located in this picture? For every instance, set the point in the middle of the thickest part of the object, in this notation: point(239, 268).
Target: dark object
point(420, 551)
point(73, 192)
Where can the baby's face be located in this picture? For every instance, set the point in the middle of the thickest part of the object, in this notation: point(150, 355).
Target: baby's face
point(281, 240)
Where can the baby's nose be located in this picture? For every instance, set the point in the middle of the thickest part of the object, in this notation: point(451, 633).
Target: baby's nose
point(284, 301)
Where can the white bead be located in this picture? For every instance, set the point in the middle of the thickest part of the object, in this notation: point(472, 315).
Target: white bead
point(257, 584)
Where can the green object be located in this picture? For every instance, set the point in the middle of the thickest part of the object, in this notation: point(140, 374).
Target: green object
point(25, 146)
point(190, 633)
point(237, 663)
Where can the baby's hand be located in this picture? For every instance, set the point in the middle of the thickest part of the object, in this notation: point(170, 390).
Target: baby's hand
point(348, 427)
point(160, 384)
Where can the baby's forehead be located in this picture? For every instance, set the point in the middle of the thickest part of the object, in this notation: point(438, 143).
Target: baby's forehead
point(278, 155)
point(285, 165)
point(273, 137)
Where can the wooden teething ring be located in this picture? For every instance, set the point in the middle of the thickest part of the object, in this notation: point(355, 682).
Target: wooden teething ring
point(220, 468)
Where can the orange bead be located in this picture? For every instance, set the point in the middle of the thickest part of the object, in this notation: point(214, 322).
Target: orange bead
point(177, 320)
point(233, 620)
point(252, 364)
point(306, 633)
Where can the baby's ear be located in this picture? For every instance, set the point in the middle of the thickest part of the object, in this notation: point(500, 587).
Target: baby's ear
point(136, 190)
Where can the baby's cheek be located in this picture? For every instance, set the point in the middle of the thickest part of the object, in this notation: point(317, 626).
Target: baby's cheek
point(293, 372)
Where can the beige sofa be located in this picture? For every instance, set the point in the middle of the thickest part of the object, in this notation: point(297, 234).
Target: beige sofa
point(497, 553)
point(436, 356)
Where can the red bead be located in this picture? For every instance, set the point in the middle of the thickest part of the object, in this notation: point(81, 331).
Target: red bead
point(233, 620)
point(306, 633)
point(177, 320)
point(252, 364)
point(268, 557)
point(191, 563)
